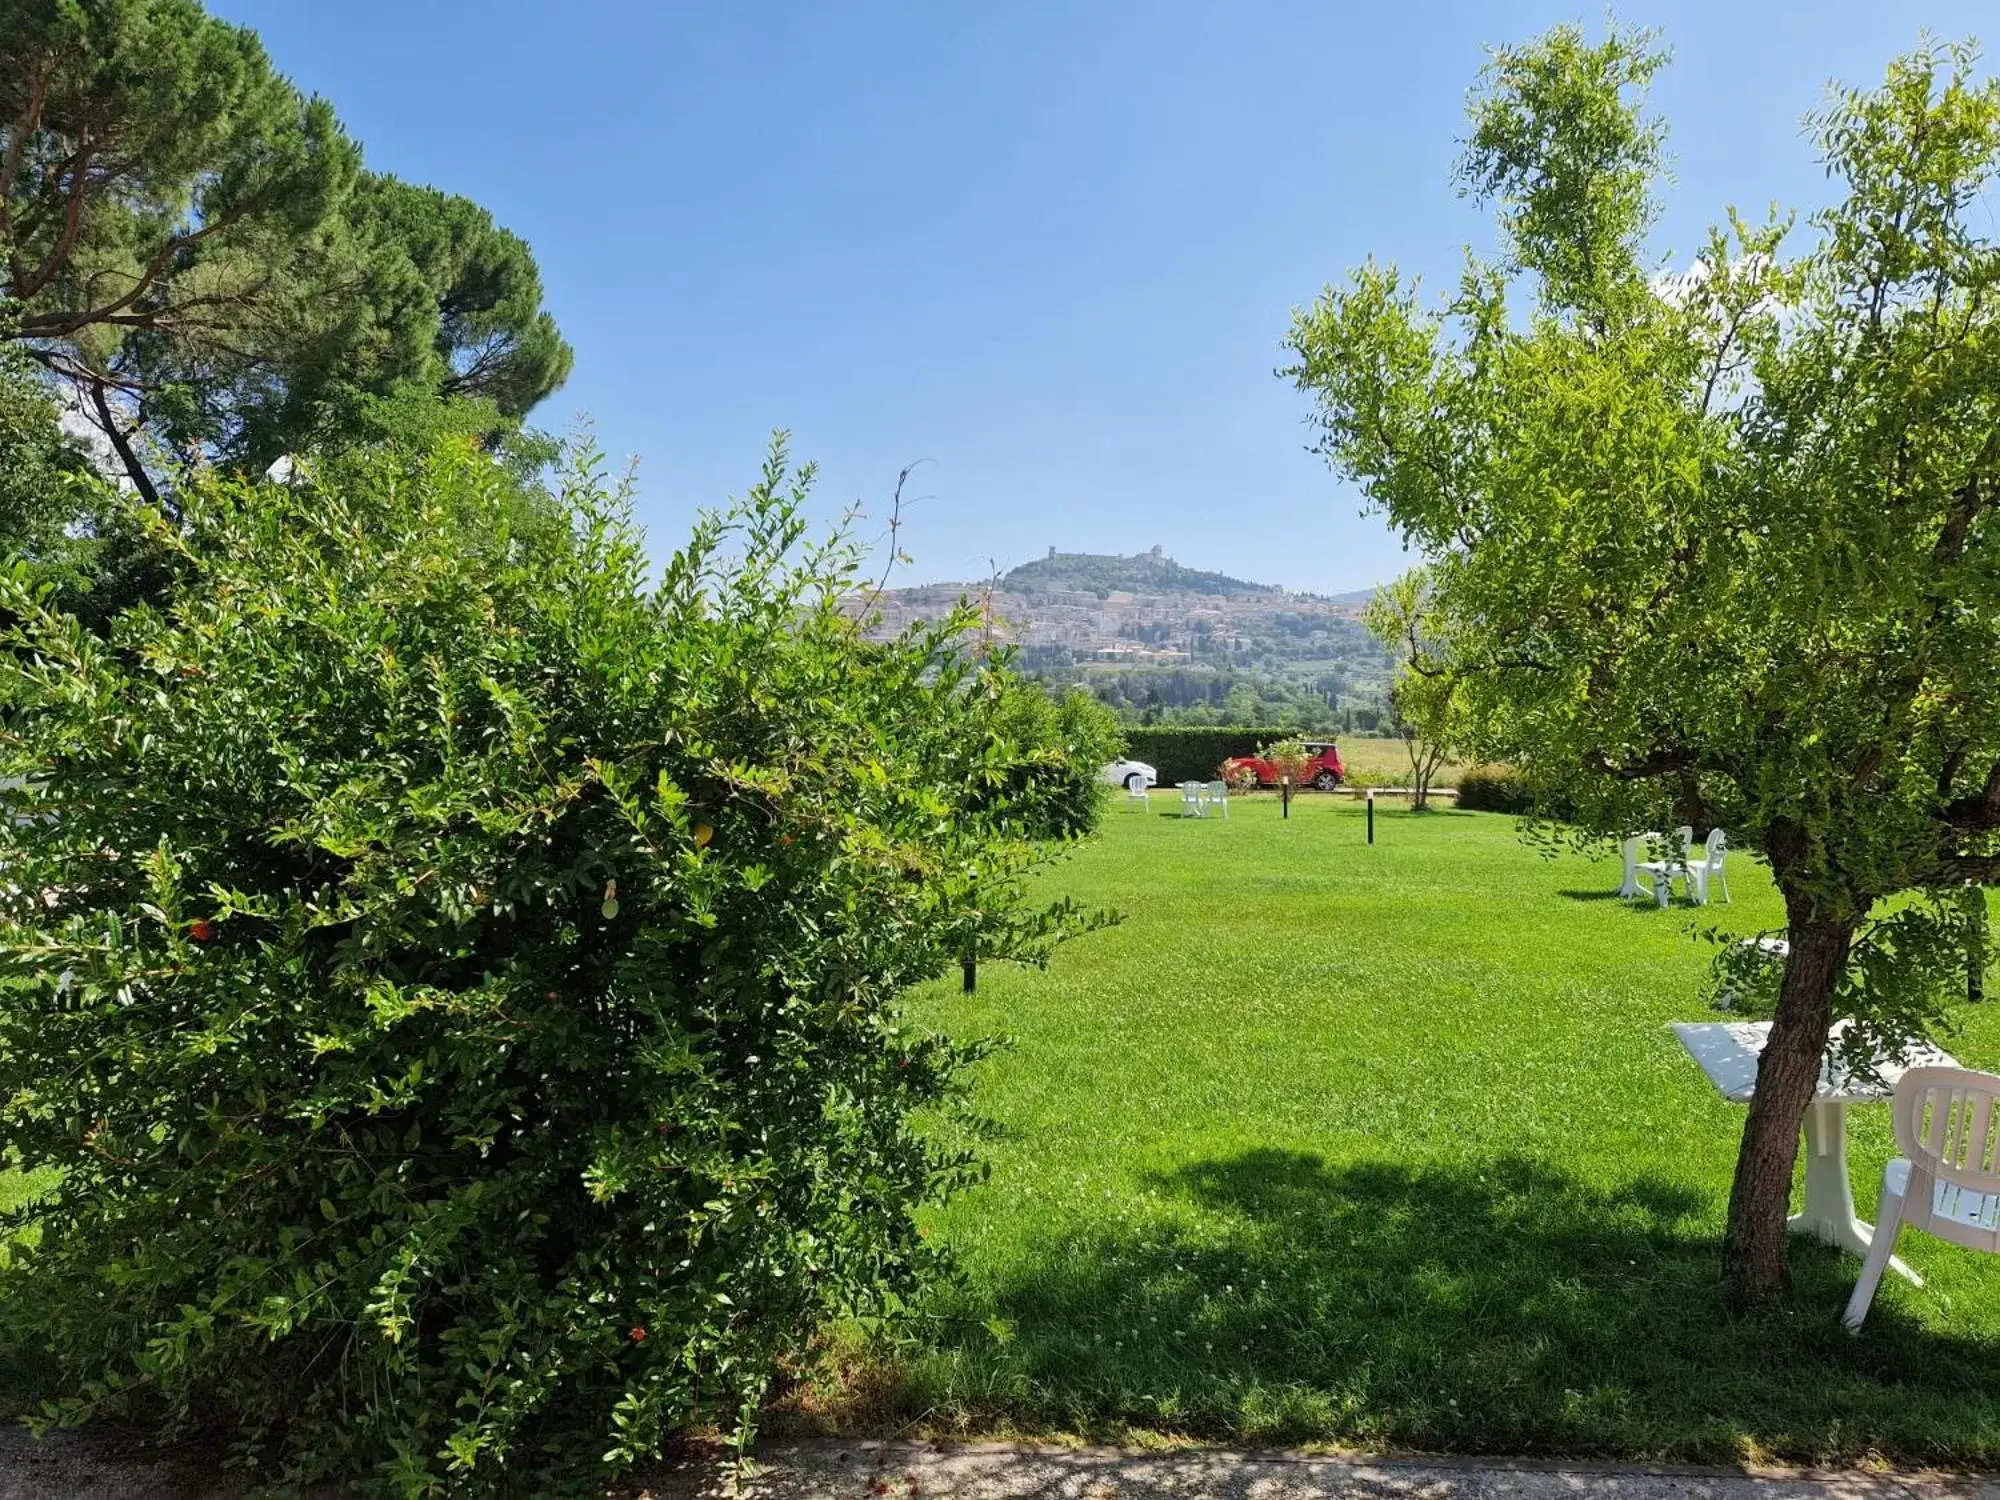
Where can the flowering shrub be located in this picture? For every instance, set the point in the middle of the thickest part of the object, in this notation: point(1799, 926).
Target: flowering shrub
point(457, 977)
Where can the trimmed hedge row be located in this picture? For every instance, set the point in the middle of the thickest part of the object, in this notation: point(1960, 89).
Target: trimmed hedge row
point(1494, 789)
point(1193, 752)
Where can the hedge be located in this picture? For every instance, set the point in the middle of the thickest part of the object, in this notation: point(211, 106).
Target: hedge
point(1494, 789)
point(1194, 752)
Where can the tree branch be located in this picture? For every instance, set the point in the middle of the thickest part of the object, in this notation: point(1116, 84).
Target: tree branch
point(1979, 813)
point(1660, 762)
point(1971, 869)
point(29, 122)
point(141, 480)
point(61, 325)
point(58, 256)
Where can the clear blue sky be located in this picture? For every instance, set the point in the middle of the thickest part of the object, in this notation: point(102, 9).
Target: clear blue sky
point(1051, 247)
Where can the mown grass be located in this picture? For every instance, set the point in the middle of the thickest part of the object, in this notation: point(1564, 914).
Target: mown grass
point(1391, 1146)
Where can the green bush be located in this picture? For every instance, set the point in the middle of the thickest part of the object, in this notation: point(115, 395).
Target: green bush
point(1190, 752)
point(1052, 752)
point(1494, 789)
point(457, 978)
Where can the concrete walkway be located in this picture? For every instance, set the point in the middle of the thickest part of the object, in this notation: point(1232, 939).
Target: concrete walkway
point(75, 1466)
point(993, 1471)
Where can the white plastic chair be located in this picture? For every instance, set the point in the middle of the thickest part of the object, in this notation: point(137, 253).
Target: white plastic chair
point(1663, 871)
point(1708, 874)
point(1217, 795)
point(1946, 1182)
point(1193, 797)
point(1135, 793)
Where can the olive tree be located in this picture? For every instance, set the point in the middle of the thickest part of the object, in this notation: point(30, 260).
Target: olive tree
point(1724, 543)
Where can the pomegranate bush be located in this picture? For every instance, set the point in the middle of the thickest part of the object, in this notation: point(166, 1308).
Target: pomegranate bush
point(457, 975)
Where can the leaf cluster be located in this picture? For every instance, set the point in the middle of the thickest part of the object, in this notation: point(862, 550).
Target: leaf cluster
point(456, 975)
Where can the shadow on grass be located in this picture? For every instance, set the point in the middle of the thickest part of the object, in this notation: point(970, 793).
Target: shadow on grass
point(1502, 1306)
point(1594, 895)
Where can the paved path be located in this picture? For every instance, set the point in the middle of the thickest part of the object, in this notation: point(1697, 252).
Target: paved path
point(78, 1467)
point(992, 1471)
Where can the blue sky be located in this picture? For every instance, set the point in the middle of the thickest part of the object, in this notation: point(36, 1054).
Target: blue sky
point(1050, 247)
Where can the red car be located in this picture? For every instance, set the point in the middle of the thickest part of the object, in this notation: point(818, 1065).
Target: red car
point(1324, 770)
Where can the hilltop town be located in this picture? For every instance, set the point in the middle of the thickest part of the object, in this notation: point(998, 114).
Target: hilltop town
point(1144, 632)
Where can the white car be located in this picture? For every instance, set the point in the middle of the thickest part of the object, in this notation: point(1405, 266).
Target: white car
point(1130, 774)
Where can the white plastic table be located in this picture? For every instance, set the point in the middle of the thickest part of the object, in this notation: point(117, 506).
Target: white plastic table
point(1629, 849)
point(1728, 1053)
point(1635, 844)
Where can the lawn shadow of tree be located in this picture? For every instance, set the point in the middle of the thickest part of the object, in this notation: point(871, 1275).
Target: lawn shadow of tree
point(1501, 1305)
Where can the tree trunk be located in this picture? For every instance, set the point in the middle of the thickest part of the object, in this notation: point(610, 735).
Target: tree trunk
point(1753, 1246)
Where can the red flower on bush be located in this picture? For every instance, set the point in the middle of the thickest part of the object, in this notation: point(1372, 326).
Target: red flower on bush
point(200, 930)
point(639, 1335)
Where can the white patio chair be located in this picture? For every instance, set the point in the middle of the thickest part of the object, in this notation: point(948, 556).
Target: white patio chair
point(1946, 1182)
point(1217, 795)
point(1135, 793)
point(1674, 864)
point(1708, 874)
point(1193, 799)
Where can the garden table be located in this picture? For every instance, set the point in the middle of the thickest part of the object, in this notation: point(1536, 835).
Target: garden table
point(1630, 847)
point(1728, 1052)
point(1635, 844)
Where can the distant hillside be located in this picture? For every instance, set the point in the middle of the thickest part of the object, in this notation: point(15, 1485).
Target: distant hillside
point(1143, 573)
point(1161, 642)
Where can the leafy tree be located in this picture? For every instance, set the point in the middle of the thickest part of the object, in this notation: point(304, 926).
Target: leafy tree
point(1039, 778)
point(56, 515)
point(457, 976)
point(196, 251)
point(36, 466)
point(1423, 698)
point(1722, 545)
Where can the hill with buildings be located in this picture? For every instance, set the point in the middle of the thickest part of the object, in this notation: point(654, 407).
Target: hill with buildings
point(1157, 640)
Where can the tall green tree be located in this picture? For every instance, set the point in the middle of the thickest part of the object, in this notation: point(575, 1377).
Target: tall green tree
point(196, 250)
point(1722, 544)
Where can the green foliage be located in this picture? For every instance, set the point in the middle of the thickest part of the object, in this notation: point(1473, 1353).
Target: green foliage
point(457, 979)
point(1560, 143)
point(196, 250)
point(1187, 753)
point(1906, 972)
point(1423, 697)
point(1052, 751)
point(1494, 789)
point(37, 468)
point(1721, 548)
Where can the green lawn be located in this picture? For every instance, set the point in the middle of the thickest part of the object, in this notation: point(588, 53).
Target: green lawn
point(1391, 1146)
